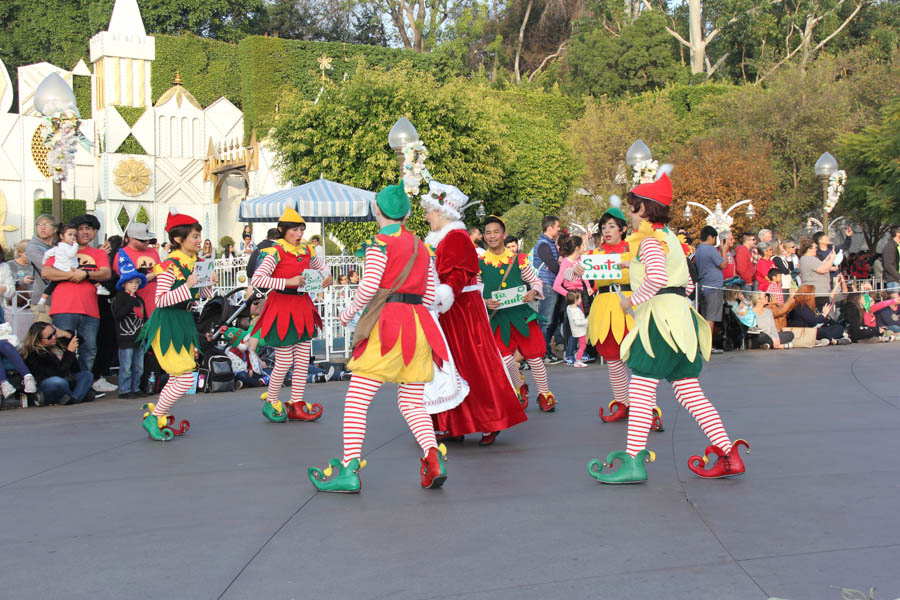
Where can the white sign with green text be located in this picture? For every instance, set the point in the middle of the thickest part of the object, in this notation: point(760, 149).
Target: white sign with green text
point(511, 297)
point(601, 266)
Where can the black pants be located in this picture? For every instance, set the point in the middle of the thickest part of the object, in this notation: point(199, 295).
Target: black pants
point(756, 341)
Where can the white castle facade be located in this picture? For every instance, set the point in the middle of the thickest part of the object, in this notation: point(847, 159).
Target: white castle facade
point(194, 158)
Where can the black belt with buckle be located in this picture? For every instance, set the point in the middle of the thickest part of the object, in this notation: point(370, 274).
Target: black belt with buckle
point(614, 288)
point(290, 292)
point(405, 298)
point(678, 291)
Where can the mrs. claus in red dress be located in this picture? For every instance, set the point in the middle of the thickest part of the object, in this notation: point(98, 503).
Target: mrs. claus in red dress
point(492, 404)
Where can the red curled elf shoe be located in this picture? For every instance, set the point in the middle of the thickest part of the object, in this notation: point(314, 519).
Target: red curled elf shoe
point(433, 471)
point(727, 464)
point(617, 412)
point(304, 411)
point(523, 396)
point(488, 438)
point(183, 426)
point(547, 403)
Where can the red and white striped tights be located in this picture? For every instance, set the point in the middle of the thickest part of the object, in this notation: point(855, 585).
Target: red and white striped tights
point(296, 356)
point(175, 388)
point(618, 380)
point(356, 406)
point(642, 393)
point(538, 371)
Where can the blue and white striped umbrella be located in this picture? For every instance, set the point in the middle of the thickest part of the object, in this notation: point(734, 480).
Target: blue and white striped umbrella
point(320, 200)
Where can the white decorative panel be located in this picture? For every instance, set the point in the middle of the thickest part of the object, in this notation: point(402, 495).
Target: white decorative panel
point(144, 131)
point(116, 129)
point(224, 121)
point(179, 180)
point(10, 147)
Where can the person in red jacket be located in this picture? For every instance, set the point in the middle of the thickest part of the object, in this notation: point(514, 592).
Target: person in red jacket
point(743, 258)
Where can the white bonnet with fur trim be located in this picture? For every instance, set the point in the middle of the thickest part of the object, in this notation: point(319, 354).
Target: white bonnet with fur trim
point(445, 198)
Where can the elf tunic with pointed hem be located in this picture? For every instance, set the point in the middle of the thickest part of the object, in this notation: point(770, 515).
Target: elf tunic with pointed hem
point(492, 404)
point(516, 327)
point(405, 342)
point(287, 318)
point(670, 338)
point(171, 330)
point(608, 324)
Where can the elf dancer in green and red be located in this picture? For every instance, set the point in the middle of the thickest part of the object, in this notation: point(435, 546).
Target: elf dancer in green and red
point(396, 340)
point(289, 319)
point(669, 341)
point(516, 327)
point(171, 330)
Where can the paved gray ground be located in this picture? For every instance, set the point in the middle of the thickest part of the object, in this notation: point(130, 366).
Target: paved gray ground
point(93, 509)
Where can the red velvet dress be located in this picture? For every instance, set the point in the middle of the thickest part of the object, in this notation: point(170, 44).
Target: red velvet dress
point(492, 404)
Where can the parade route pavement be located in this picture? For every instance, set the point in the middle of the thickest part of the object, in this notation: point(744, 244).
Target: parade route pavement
point(91, 508)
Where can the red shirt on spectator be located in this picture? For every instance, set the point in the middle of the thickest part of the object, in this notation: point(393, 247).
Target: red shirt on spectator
point(79, 298)
point(762, 272)
point(729, 271)
point(144, 261)
point(774, 290)
point(744, 264)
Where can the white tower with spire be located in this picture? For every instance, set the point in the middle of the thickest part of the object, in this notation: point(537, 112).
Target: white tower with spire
point(122, 56)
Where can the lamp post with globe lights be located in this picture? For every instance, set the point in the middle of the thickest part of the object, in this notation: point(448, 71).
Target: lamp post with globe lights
point(826, 169)
point(402, 133)
point(55, 101)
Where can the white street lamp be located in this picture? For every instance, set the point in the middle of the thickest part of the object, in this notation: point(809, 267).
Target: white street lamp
point(54, 96)
point(638, 152)
point(402, 133)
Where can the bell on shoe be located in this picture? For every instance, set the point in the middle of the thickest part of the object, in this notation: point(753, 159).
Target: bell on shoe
point(727, 464)
point(344, 481)
point(631, 468)
point(433, 471)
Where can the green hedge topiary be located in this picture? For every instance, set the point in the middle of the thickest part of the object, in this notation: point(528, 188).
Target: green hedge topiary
point(82, 87)
point(208, 68)
point(131, 114)
point(277, 70)
point(70, 208)
point(131, 146)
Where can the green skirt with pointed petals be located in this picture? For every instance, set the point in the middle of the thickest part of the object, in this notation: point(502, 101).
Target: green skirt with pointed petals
point(668, 363)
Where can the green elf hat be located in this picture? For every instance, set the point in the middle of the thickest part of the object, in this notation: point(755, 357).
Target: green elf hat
point(393, 202)
point(234, 336)
point(614, 208)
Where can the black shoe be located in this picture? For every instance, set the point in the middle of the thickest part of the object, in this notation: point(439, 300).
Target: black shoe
point(238, 384)
point(66, 400)
point(345, 376)
point(127, 396)
point(321, 378)
point(552, 359)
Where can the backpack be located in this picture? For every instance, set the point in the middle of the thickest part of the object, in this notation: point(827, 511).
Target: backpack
point(220, 377)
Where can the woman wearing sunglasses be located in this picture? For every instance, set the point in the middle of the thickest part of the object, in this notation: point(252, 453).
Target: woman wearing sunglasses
point(50, 355)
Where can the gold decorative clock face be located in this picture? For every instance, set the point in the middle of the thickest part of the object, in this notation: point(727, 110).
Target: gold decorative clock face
point(132, 177)
point(39, 152)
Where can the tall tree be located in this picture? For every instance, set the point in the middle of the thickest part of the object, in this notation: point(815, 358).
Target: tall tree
point(418, 24)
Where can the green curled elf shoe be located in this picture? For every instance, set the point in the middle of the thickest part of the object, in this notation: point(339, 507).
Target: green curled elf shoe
point(345, 481)
point(156, 427)
point(631, 469)
point(274, 411)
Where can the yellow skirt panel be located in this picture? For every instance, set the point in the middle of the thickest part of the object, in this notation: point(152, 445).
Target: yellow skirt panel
point(390, 368)
point(606, 315)
point(174, 363)
point(672, 316)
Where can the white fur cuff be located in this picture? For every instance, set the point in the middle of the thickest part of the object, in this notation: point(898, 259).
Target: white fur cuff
point(443, 298)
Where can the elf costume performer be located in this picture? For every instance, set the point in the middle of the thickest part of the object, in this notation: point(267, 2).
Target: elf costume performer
point(170, 331)
point(289, 319)
point(516, 327)
point(492, 404)
point(396, 340)
point(608, 324)
point(669, 341)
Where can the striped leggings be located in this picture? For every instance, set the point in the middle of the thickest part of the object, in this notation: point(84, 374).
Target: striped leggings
point(175, 388)
point(296, 356)
point(642, 394)
point(538, 371)
point(356, 407)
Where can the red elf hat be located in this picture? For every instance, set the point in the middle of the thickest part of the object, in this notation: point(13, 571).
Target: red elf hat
point(175, 219)
point(659, 191)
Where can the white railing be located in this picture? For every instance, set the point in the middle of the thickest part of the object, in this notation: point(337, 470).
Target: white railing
point(20, 318)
